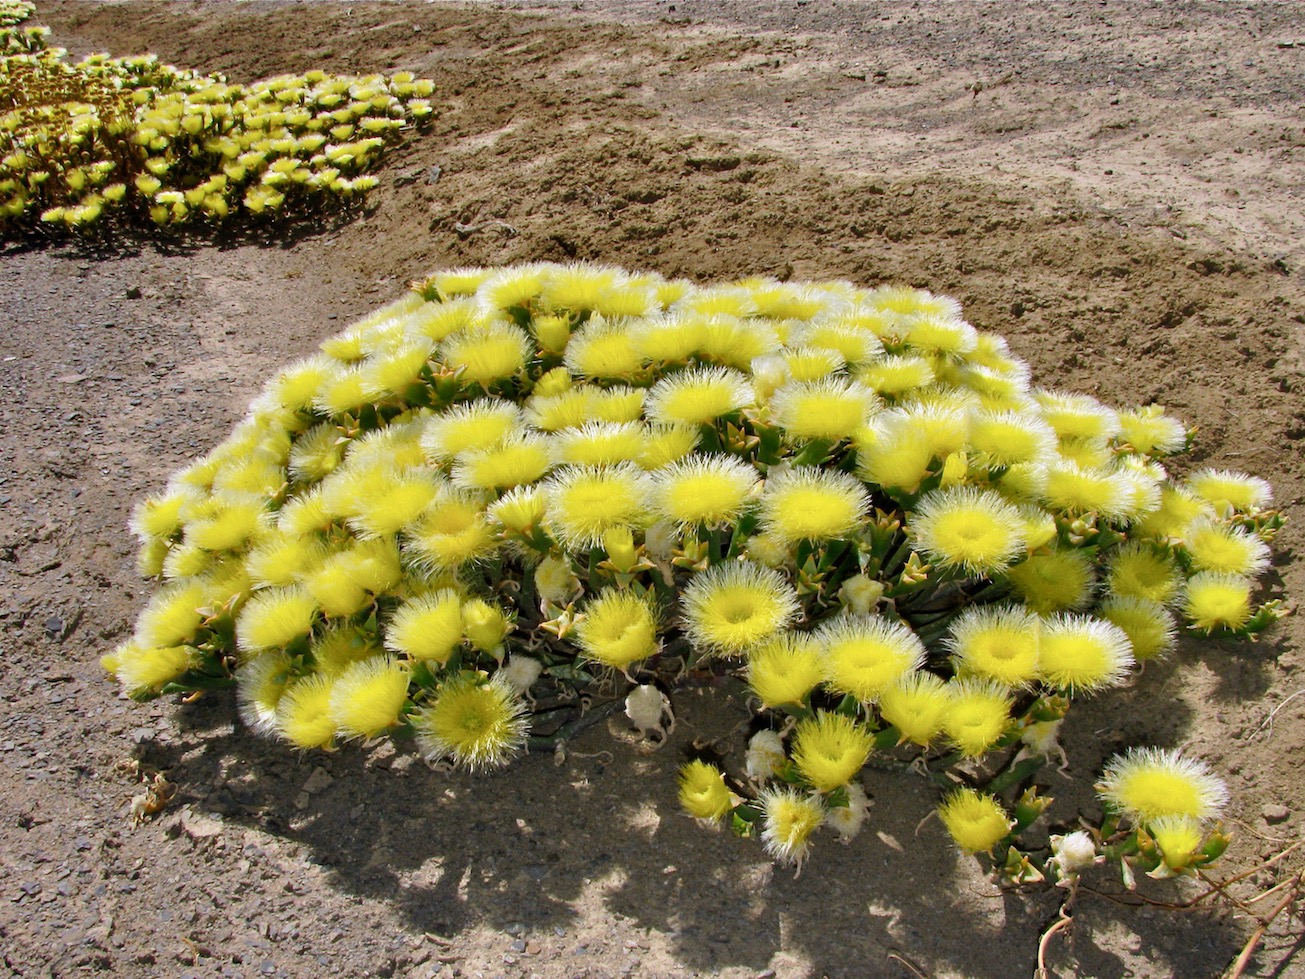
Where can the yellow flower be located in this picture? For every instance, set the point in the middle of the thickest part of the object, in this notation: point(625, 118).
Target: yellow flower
point(397, 447)
point(891, 458)
point(585, 502)
point(905, 440)
point(1039, 526)
point(809, 503)
point(917, 706)
point(389, 375)
point(551, 383)
point(1051, 581)
point(852, 343)
point(491, 352)
point(736, 342)
point(153, 557)
point(1139, 570)
point(372, 565)
point(458, 282)
point(618, 629)
point(1148, 625)
point(306, 514)
point(517, 459)
point(1083, 654)
point(342, 393)
point(347, 491)
point(721, 299)
point(618, 542)
point(274, 618)
point(1215, 601)
point(172, 616)
point(1074, 491)
point(159, 517)
point(259, 685)
point(788, 300)
point(619, 404)
point(476, 724)
point(667, 444)
point(227, 523)
point(338, 647)
point(453, 532)
point(698, 396)
point(303, 714)
point(368, 697)
point(180, 560)
point(604, 290)
point(788, 820)
point(672, 340)
point(978, 715)
point(1086, 453)
point(438, 320)
point(486, 626)
point(1212, 546)
point(472, 425)
point(282, 558)
point(603, 350)
point(555, 582)
point(968, 528)
point(703, 793)
point(396, 503)
point(811, 364)
point(940, 423)
point(428, 627)
point(905, 301)
point(565, 409)
point(831, 408)
point(996, 642)
point(143, 670)
point(975, 820)
point(940, 334)
point(830, 749)
point(866, 654)
point(1008, 438)
point(735, 605)
point(601, 444)
point(512, 287)
point(1077, 415)
point(895, 374)
point(703, 490)
point(1001, 389)
point(1151, 432)
point(1179, 839)
point(1226, 490)
point(520, 509)
point(1169, 521)
point(1141, 486)
point(860, 594)
point(1146, 784)
point(785, 668)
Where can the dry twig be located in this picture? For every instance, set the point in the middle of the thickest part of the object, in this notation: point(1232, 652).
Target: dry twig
point(1243, 960)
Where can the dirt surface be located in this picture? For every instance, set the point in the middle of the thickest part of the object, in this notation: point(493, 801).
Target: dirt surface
point(1116, 188)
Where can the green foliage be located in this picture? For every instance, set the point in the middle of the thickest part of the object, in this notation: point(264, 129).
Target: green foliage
point(134, 139)
point(519, 479)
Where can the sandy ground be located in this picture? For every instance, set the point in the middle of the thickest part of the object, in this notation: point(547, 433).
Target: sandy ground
point(1116, 188)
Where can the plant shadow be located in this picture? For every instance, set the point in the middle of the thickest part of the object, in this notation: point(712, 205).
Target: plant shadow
point(521, 850)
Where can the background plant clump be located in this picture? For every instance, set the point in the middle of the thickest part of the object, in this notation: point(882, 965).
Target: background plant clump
point(134, 139)
point(516, 488)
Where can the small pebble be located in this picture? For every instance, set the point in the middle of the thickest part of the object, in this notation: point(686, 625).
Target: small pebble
point(1275, 812)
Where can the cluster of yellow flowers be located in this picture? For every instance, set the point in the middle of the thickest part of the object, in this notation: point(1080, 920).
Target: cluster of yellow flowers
point(851, 498)
point(130, 136)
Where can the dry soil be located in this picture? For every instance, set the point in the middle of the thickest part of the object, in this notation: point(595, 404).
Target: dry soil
point(1116, 188)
